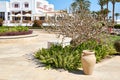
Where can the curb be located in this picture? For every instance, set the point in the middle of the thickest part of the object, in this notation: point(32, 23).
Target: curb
point(18, 37)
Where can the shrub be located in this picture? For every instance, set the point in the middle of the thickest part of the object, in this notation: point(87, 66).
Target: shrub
point(11, 31)
point(69, 57)
point(117, 26)
point(101, 50)
point(37, 23)
point(58, 57)
point(1, 22)
point(21, 28)
point(83, 29)
point(117, 45)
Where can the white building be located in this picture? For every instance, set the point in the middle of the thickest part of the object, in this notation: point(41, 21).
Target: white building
point(24, 11)
point(118, 21)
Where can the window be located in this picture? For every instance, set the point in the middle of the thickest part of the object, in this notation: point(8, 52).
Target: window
point(16, 5)
point(2, 15)
point(8, 15)
point(42, 18)
point(26, 5)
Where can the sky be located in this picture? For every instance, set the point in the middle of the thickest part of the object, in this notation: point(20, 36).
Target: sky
point(64, 4)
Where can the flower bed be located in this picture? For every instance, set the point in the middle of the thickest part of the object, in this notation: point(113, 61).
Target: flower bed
point(16, 33)
point(13, 31)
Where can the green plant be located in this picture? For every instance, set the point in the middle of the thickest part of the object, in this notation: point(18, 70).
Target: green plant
point(14, 30)
point(3, 29)
point(58, 57)
point(69, 57)
point(110, 42)
point(117, 26)
point(117, 45)
point(21, 28)
point(101, 49)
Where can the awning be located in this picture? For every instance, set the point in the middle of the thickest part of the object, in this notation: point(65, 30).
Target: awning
point(18, 15)
point(28, 15)
point(12, 15)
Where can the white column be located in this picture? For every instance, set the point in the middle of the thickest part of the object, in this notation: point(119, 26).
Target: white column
point(32, 19)
point(6, 17)
point(21, 18)
point(21, 9)
point(10, 16)
point(33, 8)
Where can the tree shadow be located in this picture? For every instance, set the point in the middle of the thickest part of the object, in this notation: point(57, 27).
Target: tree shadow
point(37, 62)
point(117, 54)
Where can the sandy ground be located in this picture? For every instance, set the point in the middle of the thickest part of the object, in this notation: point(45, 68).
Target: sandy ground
point(17, 63)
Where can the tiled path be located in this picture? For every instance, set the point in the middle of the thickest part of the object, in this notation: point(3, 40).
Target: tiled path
point(16, 63)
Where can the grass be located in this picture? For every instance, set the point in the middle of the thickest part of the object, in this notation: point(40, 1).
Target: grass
point(114, 38)
point(10, 31)
point(111, 40)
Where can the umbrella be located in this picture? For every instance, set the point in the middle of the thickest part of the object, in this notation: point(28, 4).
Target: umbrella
point(27, 14)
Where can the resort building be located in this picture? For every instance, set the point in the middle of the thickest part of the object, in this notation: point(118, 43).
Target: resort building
point(24, 11)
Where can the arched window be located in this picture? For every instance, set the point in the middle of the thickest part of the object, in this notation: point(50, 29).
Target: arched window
point(26, 4)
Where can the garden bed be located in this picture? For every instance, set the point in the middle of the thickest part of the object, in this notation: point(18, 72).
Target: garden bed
point(68, 57)
point(14, 31)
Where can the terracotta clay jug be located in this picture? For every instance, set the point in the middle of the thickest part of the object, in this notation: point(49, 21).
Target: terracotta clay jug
point(88, 60)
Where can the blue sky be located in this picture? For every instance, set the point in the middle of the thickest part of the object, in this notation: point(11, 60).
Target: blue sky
point(64, 4)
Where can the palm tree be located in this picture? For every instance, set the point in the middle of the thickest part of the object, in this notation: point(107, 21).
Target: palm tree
point(101, 3)
point(104, 11)
point(107, 2)
point(113, 10)
point(79, 5)
point(83, 4)
point(74, 6)
point(117, 14)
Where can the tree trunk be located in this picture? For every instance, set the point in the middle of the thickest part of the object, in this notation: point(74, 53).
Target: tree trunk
point(113, 11)
point(107, 9)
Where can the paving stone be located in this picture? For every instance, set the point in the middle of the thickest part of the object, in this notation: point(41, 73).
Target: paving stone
point(17, 63)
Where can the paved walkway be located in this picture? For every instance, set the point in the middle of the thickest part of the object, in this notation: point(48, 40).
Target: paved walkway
point(16, 63)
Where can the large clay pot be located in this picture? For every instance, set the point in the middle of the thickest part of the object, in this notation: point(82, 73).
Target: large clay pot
point(88, 60)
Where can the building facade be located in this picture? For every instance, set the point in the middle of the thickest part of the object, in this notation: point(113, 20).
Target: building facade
point(24, 11)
